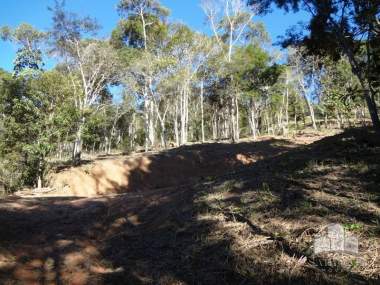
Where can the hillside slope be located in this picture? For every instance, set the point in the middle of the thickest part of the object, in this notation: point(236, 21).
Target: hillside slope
point(225, 214)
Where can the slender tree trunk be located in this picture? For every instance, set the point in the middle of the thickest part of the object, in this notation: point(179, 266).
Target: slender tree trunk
point(109, 145)
point(233, 119)
point(215, 124)
point(252, 120)
point(338, 119)
point(227, 127)
point(162, 121)
point(362, 116)
point(132, 131)
point(356, 116)
point(311, 109)
point(146, 122)
point(267, 123)
point(163, 135)
point(184, 114)
point(312, 115)
point(202, 115)
point(237, 127)
point(187, 114)
point(176, 134)
point(287, 106)
point(149, 122)
point(152, 133)
point(77, 150)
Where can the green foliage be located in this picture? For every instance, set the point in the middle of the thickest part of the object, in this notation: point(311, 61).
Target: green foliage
point(36, 114)
point(24, 35)
point(140, 15)
point(129, 32)
point(28, 60)
point(148, 6)
point(251, 66)
point(20, 129)
point(347, 28)
point(353, 227)
point(341, 89)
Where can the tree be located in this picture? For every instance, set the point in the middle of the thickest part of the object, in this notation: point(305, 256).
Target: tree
point(143, 27)
point(191, 51)
point(23, 112)
point(232, 24)
point(143, 24)
point(305, 70)
point(33, 112)
point(91, 64)
point(344, 27)
point(339, 86)
point(29, 55)
point(254, 74)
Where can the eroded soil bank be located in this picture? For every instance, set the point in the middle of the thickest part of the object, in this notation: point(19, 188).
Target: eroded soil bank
point(184, 165)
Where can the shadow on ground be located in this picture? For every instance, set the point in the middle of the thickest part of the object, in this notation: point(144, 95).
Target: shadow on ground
point(252, 224)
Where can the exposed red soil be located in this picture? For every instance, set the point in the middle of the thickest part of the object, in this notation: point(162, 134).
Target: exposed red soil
point(186, 165)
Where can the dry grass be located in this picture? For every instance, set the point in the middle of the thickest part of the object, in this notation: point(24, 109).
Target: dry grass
point(254, 223)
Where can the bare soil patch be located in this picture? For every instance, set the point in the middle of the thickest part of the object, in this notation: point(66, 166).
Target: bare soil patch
point(141, 172)
point(205, 214)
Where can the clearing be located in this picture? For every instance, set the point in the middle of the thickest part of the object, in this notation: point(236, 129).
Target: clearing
point(217, 213)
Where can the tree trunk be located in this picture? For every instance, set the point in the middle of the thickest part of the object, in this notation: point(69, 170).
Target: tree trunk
point(163, 135)
point(176, 134)
point(162, 120)
point(184, 114)
point(338, 119)
point(149, 123)
point(311, 111)
point(287, 107)
point(226, 126)
point(237, 118)
point(202, 115)
point(146, 123)
point(368, 92)
point(252, 120)
point(109, 145)
point(152, 135)
point(182, 117)
point(232, 122)
point(215, 124)
point(77, 151)
point(372, 108)
point(132, 132)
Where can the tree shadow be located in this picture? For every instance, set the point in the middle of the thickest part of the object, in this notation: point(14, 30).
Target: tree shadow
point(225, 214)
point(186, 165)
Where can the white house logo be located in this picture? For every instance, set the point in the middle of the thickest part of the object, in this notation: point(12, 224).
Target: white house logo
point(337, 239)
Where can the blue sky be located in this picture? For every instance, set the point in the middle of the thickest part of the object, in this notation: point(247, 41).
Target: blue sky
point(15, 12)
